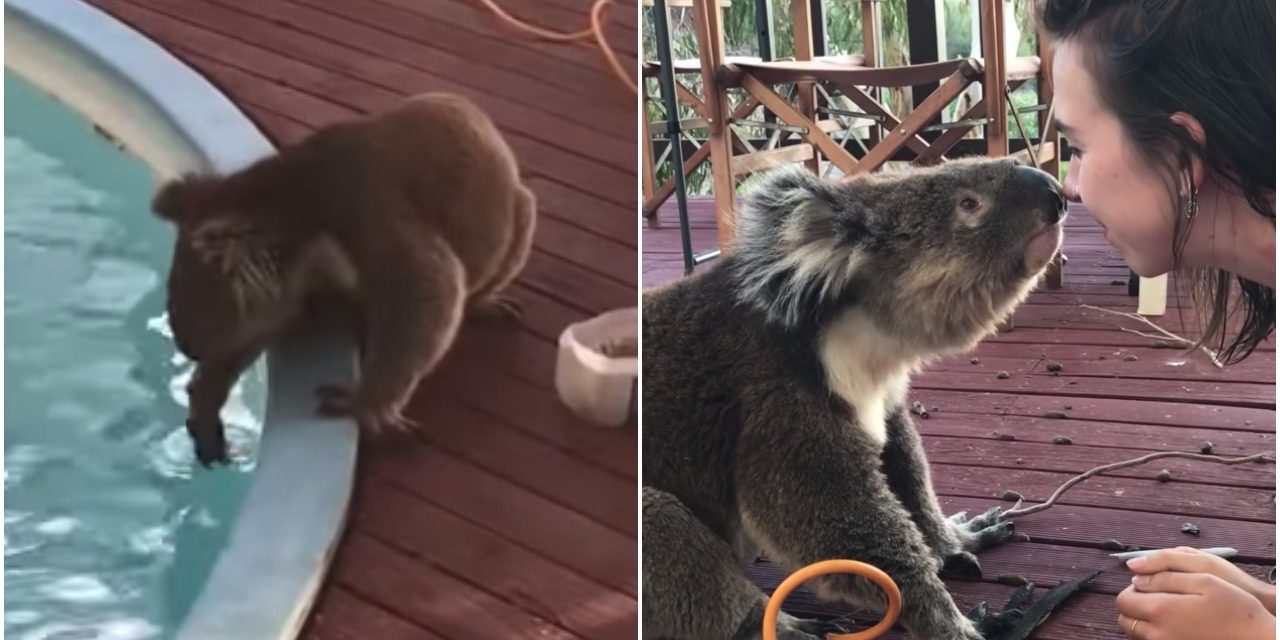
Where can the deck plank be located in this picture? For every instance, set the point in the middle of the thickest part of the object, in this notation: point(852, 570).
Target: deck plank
point(546, 144)
point(514, 573)
point(449, 605)
point(1116, 397)
point(568, 538)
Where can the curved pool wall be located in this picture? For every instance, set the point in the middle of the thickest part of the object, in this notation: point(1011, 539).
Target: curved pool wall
point(264, 582)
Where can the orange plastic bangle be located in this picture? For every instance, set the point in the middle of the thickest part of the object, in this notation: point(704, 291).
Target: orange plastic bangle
point(863, 569)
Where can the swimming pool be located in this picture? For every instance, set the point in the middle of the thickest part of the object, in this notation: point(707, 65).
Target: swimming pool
point(176, 552)
point(109, 530)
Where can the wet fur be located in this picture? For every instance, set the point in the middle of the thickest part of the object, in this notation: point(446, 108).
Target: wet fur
point(405, 220)
point(775, 413)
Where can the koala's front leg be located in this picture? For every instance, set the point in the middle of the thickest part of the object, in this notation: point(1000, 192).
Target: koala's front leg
point(411, 299)
point(818, 494)
point(206, 393)
point(953, 539)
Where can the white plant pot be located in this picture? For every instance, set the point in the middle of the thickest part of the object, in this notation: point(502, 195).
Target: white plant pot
point(599, 387)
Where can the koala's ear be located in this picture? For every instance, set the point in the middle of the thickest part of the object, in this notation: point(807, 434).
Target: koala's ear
point(783, 190)
point(179, 199)
point(169, 203)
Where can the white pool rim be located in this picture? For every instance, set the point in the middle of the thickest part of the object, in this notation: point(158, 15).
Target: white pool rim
point(263, 584)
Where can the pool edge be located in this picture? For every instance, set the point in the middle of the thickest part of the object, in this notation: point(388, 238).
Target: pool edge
point(175, 121)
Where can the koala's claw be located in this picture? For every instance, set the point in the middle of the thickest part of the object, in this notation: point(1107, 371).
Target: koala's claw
point(989, 518)
point(981, 532)
point(993, 625)
point(337, 400)
point(793, 628)
point(209, 442)
point(500, 306)
point(962, 564)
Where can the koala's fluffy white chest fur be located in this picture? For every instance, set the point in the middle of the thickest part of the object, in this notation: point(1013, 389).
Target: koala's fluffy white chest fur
point(867, 369)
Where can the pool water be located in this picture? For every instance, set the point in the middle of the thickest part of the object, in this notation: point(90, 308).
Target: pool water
point(111, 528)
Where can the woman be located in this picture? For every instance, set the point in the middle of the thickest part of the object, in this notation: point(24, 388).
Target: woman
point(1169, 106)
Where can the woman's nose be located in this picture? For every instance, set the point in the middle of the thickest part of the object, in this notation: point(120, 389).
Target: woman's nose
point(1071, 186)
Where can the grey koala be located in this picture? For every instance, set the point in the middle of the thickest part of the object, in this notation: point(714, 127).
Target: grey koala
point(775, 382)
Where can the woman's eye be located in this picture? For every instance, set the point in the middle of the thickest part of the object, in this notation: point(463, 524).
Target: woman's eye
point(968, 204)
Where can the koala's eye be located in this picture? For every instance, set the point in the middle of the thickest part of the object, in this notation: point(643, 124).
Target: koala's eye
point(969, 204)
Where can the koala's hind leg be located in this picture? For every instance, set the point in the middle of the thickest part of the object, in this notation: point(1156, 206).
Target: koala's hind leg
point(411, 302)
point(952, 540)
point(821, 495)
point(693, 582)
point(489, 297)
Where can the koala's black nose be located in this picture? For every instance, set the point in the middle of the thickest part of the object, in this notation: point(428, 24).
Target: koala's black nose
point(1042, 189)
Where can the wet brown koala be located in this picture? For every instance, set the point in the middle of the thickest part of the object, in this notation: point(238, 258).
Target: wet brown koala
point(775, 386)
point(409, 220)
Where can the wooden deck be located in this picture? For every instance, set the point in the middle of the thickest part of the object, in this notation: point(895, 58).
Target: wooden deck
point(1121, 399)
point(510, 518)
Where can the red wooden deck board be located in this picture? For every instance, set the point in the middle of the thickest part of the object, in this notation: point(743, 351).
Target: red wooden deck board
point(1043, 455)
point(1137, 439)
point(345, 615)
point(551, 143)
point(508, 516)
point(1138, 362)
point(1087, 526)
point(1119, 398)
point(1103, 410)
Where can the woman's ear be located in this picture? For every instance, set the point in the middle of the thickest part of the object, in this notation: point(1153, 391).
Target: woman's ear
point(1196, 131)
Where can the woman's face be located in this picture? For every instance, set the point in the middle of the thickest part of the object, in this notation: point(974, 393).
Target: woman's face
point(1119, 188)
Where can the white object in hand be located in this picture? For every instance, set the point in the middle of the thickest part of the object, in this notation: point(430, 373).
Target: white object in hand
point(1222, 552)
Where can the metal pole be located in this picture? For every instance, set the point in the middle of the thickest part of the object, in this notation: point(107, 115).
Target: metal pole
point(818, 18)
point(764, 36)
point(666, 82)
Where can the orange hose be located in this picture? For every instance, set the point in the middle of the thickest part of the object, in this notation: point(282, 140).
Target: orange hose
point(594, 32)
point(863, 569)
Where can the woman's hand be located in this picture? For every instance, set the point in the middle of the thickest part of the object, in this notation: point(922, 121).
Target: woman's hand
point(1188, 560)
point(1178, 595)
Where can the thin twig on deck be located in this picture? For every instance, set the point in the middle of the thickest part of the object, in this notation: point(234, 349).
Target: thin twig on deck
point(1164, 333)
point(1016, 512)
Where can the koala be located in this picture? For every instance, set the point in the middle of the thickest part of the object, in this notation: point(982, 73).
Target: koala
point(403, 222)
point(775, 385)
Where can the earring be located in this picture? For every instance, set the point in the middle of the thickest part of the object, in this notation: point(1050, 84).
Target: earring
point(1192, 207)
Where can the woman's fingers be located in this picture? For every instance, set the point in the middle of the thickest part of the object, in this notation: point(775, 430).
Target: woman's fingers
point(1173, 582)
point(1133, 627)
point(1179, 559)
point(1148, 605)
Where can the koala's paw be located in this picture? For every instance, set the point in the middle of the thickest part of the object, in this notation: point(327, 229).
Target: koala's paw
point(993, 625)
point(793, 628)
point(499, 306)
point(980, 532)
point(209, 441)
point(959, 628)
point(962, 564)
point(337, 400)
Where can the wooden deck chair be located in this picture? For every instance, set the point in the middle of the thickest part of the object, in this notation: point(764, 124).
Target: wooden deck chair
point(655, 194)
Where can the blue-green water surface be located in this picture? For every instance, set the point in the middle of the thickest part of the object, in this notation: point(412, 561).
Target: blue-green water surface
point(110, 527)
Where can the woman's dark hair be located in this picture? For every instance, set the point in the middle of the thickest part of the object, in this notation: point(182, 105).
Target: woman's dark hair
point(1214, 60)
